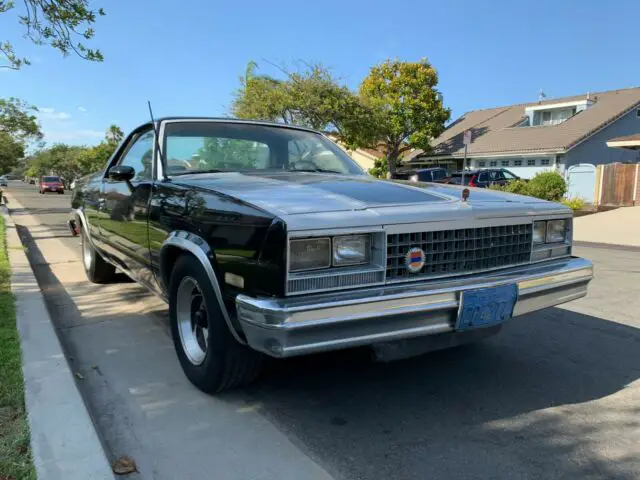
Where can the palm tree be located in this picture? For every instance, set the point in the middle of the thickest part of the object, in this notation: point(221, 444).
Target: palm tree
point(114, 134)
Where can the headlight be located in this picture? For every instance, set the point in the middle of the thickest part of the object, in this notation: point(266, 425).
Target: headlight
point(557, 231)
point(309, 254)
point(539, 232)
point(413, 178)
point(351, 250)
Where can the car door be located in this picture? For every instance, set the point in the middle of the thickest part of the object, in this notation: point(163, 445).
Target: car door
point(438, 175)
point(124, 209)
point(483, 179)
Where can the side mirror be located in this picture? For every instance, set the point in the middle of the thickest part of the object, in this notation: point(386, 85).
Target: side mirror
point(121, 173)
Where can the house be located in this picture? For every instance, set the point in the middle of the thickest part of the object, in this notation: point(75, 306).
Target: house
point(551, 134)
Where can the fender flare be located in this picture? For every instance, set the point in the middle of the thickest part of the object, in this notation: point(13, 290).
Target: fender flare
point(78, 213)
point(199, 248)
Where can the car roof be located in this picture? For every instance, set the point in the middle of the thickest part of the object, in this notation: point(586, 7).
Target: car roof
point(407, 170)
point(230, 120)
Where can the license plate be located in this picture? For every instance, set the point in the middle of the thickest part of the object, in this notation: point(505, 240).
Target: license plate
point(486, 307)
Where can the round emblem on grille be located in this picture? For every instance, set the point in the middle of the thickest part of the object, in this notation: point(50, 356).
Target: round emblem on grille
point(414, 260)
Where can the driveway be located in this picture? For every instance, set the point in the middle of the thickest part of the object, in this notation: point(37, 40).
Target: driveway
point(555, 395)
point(619, 227)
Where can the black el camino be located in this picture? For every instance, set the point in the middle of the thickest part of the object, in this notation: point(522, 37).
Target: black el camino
point(269, 240)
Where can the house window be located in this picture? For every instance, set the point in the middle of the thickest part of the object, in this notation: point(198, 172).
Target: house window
point(482, 163)
point(517, 163)
point(544, 161)
point(531, 162)
point(504, 163)
point(493, 163)
point(554, 117)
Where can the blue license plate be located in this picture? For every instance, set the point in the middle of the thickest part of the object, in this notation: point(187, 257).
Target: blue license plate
point(486, 307)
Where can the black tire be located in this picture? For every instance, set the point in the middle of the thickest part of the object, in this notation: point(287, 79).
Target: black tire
point(227, 364)
point(96, 268)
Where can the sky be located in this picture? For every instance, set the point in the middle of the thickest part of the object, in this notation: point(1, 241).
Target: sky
point(186, 57)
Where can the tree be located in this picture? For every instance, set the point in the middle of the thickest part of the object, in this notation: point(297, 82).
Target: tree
point(406, 108)
point(114, 135)
point(61, 24)
point(380, 168)
point(18, 119)
point(11, 151)
point(309, 96)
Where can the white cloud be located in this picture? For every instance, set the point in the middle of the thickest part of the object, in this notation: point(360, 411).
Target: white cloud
point(73, 136)
point(48, 113)
point(59, 126)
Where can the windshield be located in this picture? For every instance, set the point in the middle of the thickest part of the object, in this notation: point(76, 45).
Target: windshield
point(50, 179)
point(193, 147)
point(456, 178)
point(509, 176)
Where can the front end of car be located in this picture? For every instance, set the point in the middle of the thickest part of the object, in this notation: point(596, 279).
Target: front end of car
point(452, 280)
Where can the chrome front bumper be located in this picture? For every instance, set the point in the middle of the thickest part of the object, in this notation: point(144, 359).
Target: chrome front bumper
point(286, 327)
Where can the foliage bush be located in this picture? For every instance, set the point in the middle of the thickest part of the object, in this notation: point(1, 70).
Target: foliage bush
point(517, 186)
point(545, 185)
point(575, 203)
point(380, 168)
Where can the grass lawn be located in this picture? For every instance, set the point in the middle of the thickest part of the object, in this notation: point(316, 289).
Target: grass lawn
point(15, 458)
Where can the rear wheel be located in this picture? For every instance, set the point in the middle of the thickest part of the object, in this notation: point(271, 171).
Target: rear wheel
point(211, 358)
point(96, 268)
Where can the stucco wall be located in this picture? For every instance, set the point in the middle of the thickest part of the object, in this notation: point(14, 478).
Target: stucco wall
point(524, 170)
point(594, 150)
point(365, 161)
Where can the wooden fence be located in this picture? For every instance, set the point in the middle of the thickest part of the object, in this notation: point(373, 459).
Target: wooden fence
point(617, 184)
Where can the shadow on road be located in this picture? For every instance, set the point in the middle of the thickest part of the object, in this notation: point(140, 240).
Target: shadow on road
point(528, 403)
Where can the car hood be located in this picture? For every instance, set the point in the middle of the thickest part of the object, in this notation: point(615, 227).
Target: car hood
point(318, 195)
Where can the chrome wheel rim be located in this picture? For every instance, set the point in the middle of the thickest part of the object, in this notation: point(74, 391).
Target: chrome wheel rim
point(87, 257)
point(193, 320)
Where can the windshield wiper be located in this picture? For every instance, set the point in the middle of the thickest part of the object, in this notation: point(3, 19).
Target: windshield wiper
point(320, 170)
point(192, 172)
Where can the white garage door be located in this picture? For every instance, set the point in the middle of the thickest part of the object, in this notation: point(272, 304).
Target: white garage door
point(581, 179)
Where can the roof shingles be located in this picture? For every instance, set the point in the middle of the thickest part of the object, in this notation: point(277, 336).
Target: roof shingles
point(494, 131)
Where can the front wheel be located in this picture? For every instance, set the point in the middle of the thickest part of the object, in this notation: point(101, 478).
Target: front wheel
point(211, 358)
point(96, 268)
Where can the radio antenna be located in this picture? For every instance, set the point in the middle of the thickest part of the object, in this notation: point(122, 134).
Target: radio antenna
point(157, 135)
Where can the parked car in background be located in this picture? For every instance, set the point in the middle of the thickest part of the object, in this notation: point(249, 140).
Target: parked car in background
point(3, 181)
point(483, 178)
point(435, 175)
point(269, 240)
point(51, 184)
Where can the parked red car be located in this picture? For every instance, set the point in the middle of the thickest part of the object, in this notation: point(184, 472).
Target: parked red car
point(51, 184)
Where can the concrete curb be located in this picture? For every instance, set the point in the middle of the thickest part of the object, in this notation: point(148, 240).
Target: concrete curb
point(64, 442)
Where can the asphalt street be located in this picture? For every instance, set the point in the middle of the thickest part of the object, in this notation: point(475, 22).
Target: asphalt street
point(554, 395)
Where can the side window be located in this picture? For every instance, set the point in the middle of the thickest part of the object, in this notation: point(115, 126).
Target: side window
point(311, 154)
point(494, 176)
point(438, 175)
point(483, 177)
point(424, 176)
point(139, 156)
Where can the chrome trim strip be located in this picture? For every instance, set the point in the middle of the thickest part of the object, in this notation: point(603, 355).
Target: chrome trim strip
point(367, 339)
point(283, 327)
point(185, 241)
point(424, 296)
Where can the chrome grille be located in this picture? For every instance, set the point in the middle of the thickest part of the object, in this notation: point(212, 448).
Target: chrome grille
point(457, 252)
point(333, 281)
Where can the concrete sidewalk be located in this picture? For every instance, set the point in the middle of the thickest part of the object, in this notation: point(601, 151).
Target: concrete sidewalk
point(64, 442)
point(615, 227)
